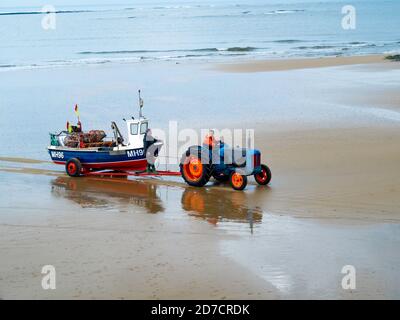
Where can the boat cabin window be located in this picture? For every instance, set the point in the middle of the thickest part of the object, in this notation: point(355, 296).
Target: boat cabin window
point(143, 127)
point(134, 128)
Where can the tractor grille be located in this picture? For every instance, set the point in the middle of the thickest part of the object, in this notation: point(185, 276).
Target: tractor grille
point(256, 160)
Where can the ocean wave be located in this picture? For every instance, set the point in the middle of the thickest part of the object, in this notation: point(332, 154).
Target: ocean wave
point(8, 65)
point(316, 47)
point(282, 11)
point(115, 52)
point(247, 13)
point(312, 49)
point(343, 46)
point(288, 41)
point(65, 63)
point(240, 49)
point(362, 44)
point(346, 46)
point(173, 7)
point(42, 12)
point(357, 43)
point(354, 46)
point(193, 54)
point(205, 50)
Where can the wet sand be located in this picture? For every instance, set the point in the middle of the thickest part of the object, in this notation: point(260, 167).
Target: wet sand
point(349, 174)
point(120, 255)
point(20, 160)
point(294, 64)
point(333, 201)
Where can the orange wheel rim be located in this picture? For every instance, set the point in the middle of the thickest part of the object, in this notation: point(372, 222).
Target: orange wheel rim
point(237, 180)
point(72, 168)
point(193, 168)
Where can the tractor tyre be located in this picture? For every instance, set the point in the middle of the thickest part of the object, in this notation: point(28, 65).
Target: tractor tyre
point(264, 177)
point(238, 181)
point(194, 171)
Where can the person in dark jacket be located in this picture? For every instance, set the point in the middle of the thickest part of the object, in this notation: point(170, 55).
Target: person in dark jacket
point(149, 140)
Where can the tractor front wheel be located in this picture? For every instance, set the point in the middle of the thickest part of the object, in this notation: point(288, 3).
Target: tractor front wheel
point(238, 181)
point(193, 171)
point(264, 177)
point(73, 167)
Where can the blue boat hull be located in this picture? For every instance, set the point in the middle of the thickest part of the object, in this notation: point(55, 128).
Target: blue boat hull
point(132, 159)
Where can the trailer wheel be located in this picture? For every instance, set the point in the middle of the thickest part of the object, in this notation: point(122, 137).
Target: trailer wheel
point(264, 177)
point(73, 167)
point(238, 181)
point(193, 170)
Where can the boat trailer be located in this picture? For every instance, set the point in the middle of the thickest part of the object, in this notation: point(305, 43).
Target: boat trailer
point(111, 174)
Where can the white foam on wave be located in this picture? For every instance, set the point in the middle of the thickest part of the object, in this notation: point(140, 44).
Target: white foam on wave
point(384, 113)
point(376, 112)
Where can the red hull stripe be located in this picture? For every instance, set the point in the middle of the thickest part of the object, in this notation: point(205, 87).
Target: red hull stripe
point(120, 164)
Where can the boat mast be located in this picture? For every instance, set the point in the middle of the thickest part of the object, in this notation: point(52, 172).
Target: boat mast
point(140, 106)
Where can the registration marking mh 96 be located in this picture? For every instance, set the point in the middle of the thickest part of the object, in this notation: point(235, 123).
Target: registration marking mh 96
point(135, 153)
point(57, 154)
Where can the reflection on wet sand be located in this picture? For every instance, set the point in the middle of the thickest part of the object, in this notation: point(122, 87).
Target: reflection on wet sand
point(216, 206)
point(90, 192)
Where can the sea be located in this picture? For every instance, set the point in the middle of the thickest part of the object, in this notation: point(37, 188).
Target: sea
point(34, 34)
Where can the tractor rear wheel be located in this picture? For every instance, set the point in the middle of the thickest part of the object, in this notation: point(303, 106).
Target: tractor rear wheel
point(193, 170)
point(264, 177)
point(73, 167)
point(238, 181)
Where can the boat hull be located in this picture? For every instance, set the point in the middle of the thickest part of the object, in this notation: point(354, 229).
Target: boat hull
point(129, 159)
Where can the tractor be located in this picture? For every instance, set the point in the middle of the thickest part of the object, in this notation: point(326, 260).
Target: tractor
point(223, 163)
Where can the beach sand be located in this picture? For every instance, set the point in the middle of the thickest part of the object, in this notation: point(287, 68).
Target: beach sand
point(295, 64)
point(334, 199)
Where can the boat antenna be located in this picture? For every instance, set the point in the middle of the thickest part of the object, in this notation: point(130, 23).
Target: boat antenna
point(140, 105)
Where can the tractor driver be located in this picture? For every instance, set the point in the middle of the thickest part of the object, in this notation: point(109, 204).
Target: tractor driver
point(210, 142)
point(209, 139)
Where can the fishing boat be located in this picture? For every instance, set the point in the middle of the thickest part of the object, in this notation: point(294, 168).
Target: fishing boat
point(85, 152)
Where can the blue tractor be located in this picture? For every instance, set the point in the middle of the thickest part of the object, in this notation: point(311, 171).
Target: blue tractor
point(223, 163)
